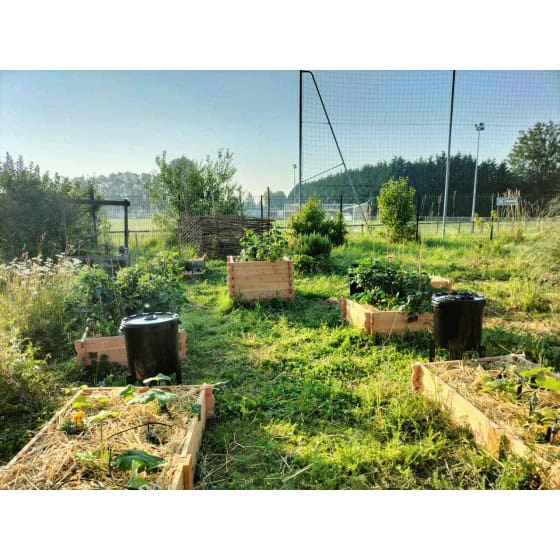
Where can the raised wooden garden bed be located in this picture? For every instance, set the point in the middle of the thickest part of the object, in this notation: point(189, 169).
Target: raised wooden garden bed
point(385, 323)
point(497, 421)
point(114, 348)
point(56, 459)
point(260, 280)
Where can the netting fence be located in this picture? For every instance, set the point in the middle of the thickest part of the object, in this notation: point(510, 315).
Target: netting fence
point(358, 128)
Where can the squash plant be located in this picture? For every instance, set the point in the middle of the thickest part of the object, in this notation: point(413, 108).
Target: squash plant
point(543, 420)
point(270, 246)
point(389, 286)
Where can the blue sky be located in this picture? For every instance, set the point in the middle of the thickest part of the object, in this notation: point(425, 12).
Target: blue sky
point(97, 122)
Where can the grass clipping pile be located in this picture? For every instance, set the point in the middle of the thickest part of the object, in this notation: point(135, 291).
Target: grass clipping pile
point(507, 391)
point(108, 439)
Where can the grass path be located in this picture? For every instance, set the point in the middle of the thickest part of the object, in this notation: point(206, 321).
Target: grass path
point(311, 403)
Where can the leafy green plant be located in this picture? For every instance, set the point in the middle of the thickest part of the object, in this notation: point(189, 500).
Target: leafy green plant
point(396, 208)
point(156, 379)
point(312, 219)
point(338, 230)
point(127, 393)
point(162, 398)
point(312, 252)
point(270, 246)
point(100, 303)
point(137, 461)
point(154, 284)
point(389, 286)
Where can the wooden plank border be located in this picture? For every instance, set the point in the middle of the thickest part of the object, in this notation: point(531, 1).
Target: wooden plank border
point(487, 433)
point(114, 347)
point(260, 280)
point(385, 323)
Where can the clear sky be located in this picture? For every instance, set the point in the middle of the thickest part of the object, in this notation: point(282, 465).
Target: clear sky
point(98, 122)
point(86, 122)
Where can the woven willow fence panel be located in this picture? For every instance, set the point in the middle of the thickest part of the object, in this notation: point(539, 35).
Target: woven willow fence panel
point(218, 236)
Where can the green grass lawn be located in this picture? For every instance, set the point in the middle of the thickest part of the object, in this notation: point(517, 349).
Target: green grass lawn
point(312, 403)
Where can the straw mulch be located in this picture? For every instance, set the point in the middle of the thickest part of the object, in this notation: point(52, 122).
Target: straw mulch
point(503, 407)
point(53, 462)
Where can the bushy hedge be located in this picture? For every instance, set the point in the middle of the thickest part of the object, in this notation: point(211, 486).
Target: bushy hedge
point(313, 234)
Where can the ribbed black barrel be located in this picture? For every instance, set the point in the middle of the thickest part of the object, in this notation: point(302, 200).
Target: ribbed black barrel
point(151, 345)
point(458, 322)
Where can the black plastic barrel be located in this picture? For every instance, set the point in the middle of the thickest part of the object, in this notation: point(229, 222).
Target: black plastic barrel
point(151, 345)
point(458, 322)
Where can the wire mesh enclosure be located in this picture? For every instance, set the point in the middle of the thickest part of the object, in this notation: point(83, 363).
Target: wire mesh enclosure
point(359, 128)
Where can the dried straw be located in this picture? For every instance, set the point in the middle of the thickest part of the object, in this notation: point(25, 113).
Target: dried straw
point(502, 407)
point(50, 462)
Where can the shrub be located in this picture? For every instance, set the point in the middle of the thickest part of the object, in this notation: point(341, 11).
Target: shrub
point(93, 302)
point(389, 286)
point(312, 218)
point(100, 303)
point(270, 246)
point(313, 245)
point(312, 253)
point(396, 208)
point(338, 230)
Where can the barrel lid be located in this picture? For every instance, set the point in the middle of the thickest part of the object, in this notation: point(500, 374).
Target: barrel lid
point(148, 319)
point(450, 297)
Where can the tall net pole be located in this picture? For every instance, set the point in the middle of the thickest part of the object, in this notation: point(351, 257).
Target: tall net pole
point(448, 166)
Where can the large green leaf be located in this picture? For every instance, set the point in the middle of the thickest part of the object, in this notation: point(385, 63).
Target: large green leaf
point(137, 483)
point(548, 382)
point(491, 384)
point(158, 377)
point(534, 372)
point(81, 402)
point(127, 393)
point(103, 415)
point(137, 460)
point(162, 397)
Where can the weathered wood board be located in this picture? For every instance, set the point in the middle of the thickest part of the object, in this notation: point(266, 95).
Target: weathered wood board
point(114, 348)
point(260, 280)
point(487, 434)
point(385, 323)
point(440, 283)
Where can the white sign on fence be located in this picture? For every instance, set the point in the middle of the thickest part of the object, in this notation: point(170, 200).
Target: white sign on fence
point(506, 201)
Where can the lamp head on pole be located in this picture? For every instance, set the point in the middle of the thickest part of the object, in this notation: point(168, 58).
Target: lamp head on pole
point(479, 126)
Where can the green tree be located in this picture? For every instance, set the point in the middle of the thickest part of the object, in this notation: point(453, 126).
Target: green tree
point(200, 188)
point(396, 207)
point(31, 211)
point(535, 158)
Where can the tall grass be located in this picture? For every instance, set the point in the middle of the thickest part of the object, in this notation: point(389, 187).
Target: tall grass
point(32, 292)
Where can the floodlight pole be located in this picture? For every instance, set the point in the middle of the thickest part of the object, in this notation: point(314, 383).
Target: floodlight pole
point(300, 129)
point(479, 127)
point(448, 166)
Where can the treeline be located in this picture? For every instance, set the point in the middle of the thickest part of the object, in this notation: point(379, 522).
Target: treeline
point(426, 175)
point(428, 178)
